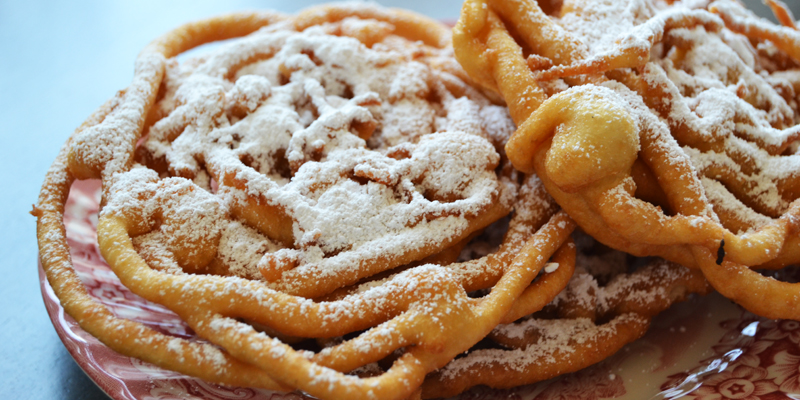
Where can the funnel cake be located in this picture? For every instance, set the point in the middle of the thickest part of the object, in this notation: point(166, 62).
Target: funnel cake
point(294, 184)
point(662, 129)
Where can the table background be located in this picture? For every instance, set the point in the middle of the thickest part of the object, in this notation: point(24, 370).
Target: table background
point(58, 62)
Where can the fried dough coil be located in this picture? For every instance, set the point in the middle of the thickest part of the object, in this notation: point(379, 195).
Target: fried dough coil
point(175, 161)
point(714, 131)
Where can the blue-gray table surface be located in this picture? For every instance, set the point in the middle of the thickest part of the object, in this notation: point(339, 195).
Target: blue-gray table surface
point(58, 62)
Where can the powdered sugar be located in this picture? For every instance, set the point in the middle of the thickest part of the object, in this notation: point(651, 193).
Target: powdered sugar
point(362, 149)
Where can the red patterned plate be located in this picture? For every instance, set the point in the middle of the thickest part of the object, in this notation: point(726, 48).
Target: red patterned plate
point(704, 349)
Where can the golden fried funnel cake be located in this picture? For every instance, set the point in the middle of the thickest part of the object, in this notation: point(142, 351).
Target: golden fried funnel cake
point(248, 189)
point(660, 128)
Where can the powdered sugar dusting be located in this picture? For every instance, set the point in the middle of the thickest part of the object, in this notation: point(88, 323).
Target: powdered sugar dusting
point(362, 148)
point(715, 101)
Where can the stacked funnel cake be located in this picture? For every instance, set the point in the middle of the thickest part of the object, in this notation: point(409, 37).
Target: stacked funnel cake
point(327, 203)
point(666, 130)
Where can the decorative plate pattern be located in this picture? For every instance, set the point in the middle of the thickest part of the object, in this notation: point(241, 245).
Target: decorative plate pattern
point(704, 349)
